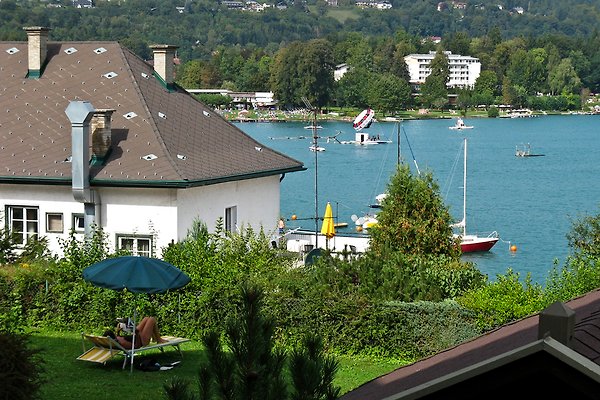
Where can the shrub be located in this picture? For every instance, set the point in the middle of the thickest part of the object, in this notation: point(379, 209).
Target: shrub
point(493, 112)
point(20, 367)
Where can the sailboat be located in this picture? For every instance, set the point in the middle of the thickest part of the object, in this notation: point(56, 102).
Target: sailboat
point(471, 243)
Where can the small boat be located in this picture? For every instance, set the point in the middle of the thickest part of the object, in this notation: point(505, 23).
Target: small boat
point(525, 151)
point(460, 125)
point(471, 243)
point(313, 127)
point(364, 119)
point(316, 148)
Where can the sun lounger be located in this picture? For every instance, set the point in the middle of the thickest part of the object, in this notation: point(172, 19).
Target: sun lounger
point(104, 348)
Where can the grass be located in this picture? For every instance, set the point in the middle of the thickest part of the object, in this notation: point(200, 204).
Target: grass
point(68, 378)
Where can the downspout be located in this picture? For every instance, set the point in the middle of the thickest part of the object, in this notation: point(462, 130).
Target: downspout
point(80, 114)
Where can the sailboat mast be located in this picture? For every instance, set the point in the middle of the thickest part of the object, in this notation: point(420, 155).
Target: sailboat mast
point(465, 189)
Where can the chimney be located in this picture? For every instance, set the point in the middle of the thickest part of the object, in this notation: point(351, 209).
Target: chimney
point(101, 135)
point(80, 114)
point(37, 41)
point(163, 62)
point(558, 321)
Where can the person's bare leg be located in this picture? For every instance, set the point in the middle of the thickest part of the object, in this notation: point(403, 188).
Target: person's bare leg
point(145, 330)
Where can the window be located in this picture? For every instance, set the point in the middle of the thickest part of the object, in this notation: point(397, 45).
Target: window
point(231, 219)
point(137, 245)
point(78, 222)
point(54, 222)
point(23, 223)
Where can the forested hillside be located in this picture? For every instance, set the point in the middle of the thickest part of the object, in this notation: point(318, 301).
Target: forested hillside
point(525, 47)
point(204, 25)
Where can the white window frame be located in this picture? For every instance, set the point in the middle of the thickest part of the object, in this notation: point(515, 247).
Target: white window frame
point(62, 222)
point(136, 241)
point(231, 219)
point(78, 222)
point(27, 221)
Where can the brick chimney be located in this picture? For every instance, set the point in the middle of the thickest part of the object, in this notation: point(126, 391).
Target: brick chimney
point(37, 40)
point(163, 62)
point(101, 135)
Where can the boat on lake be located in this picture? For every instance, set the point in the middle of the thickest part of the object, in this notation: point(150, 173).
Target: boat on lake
point(525, 151)
point(313, 127)
point(471, 243)
point(460, 125)
point(316, 148)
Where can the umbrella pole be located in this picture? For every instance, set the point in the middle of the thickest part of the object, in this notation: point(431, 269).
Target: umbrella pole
point(133, 340)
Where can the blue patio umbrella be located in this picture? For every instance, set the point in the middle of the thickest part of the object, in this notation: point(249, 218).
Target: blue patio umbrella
point(136, 274)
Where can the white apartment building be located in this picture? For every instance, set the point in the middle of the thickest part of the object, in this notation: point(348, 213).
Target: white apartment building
point(464, 70)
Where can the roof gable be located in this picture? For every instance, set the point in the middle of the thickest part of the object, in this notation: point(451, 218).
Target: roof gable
point(490, 346)
point(161, 137)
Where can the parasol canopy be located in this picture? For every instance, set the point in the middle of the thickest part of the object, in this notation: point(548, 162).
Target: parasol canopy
point(328, 228)
point(136, 274)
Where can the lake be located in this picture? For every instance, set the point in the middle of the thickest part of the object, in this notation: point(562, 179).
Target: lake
point(530, 201)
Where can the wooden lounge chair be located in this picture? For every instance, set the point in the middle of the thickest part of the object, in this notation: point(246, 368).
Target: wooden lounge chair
point(104, 348)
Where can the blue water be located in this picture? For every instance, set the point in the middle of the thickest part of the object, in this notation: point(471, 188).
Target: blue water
point(531, 202)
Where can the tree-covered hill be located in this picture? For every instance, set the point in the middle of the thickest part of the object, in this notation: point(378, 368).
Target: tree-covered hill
point(201, 26)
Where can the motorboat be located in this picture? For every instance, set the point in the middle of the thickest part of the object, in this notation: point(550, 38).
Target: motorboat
point(313, 127)
point(460, 125)
point(471, 243)
point(316, 148)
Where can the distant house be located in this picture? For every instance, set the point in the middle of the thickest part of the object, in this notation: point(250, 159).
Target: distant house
point(554, 354)
point(243, 99)
point(340, 71)
point(92, 135)
point(233, 5)
point(380, 5)
point(83, 3)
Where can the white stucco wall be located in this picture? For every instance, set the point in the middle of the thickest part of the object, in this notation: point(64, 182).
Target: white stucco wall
point(164, 214)
point(257, 202)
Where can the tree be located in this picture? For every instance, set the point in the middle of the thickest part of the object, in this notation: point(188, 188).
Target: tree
point(284, 74)
point(439, 66)
point(584, 236)
point(388, 93)
point(434, 92)
point(252, 367)
point(315, 68)
point(413, 218)
point(485, 88)
point(563, 79)
point(352, 89)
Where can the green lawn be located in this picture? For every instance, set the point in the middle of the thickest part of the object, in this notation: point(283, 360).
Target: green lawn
point(68, 378)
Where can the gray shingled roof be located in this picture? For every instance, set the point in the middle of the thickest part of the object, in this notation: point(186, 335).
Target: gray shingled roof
point(193, 144)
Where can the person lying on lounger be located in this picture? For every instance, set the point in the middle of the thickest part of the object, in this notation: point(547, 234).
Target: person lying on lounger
point(145, 331)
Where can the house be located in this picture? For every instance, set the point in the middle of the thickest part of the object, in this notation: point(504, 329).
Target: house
point(83, 4)
point(553, 354)
point(340, 71)
point(94, 135)
point(256, 100)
